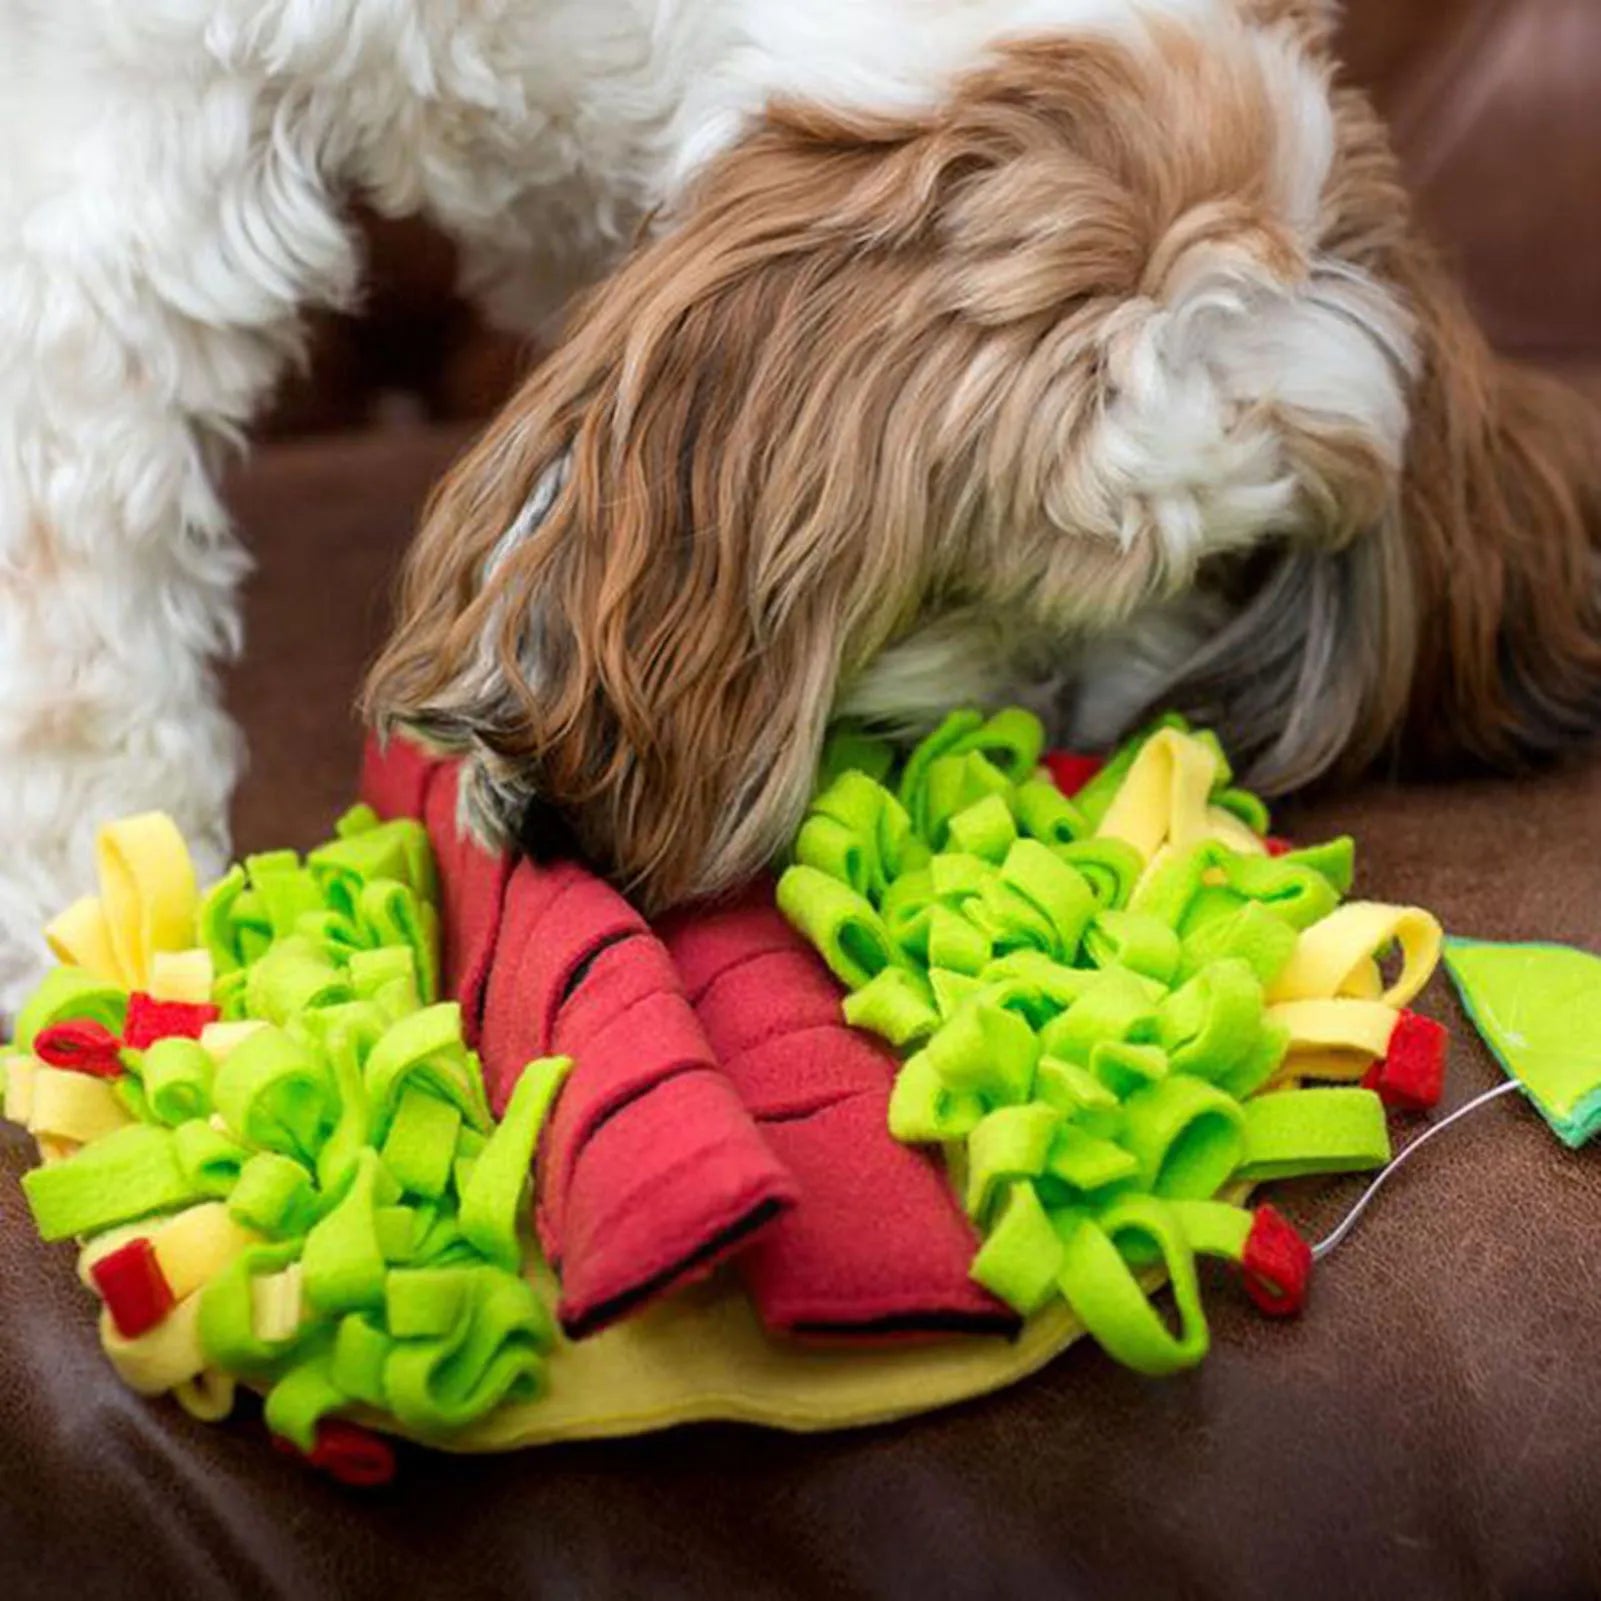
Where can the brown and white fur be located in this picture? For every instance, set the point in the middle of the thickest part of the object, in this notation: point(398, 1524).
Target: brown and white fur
point(935, 351)
point(1122, 362)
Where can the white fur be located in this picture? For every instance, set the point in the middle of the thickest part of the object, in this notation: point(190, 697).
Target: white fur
point(172, 199)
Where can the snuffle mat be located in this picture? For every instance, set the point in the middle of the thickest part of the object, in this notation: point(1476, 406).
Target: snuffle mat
point(414, 1140)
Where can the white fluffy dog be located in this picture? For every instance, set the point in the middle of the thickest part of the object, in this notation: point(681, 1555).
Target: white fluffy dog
point(934, 341)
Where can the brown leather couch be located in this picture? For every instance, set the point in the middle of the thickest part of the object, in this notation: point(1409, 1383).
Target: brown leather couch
point(1430, 1428)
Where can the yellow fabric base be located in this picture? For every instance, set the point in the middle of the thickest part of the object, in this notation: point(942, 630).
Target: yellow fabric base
point(702, 1356)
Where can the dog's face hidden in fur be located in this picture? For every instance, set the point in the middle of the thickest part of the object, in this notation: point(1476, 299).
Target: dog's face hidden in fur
point(1126, 355)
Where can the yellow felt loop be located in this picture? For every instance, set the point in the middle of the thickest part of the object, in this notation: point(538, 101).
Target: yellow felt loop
point(69, 1106)
point(1331, 1030)
point(197, 1244)
point(166, 1356)
point(147, 888)
point(21, 1074)
point(182, 976)
point(1334, 957)
point(1229, 830)
point(1164, 798)
point(147, 903)
point(1366, 982)
point(208, 1396)
point(277, 1305)
point(81, 937)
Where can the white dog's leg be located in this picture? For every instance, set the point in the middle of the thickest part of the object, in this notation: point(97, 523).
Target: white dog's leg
point(160, 225)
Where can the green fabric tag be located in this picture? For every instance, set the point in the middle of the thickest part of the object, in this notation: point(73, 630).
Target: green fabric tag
point(1538, 1008)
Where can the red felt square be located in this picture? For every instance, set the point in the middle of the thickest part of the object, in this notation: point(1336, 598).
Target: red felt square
point(1411, 1078)
point(1071, 772)
point(1277, 1264)
point(134, 1288)
point(150, 1020)
point(80, 1045)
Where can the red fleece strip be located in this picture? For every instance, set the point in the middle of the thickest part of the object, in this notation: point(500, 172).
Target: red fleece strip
point(661, 1193)
point(628, 1029)
point(877, 1244)
point(400, 781)
point(557, 920)
point(472, 894)
point(650, 1170)
point(395, 777)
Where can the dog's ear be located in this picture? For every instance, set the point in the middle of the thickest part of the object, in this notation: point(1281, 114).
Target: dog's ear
point(1464, 623)
point(634, 598)
point(1501, 516)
